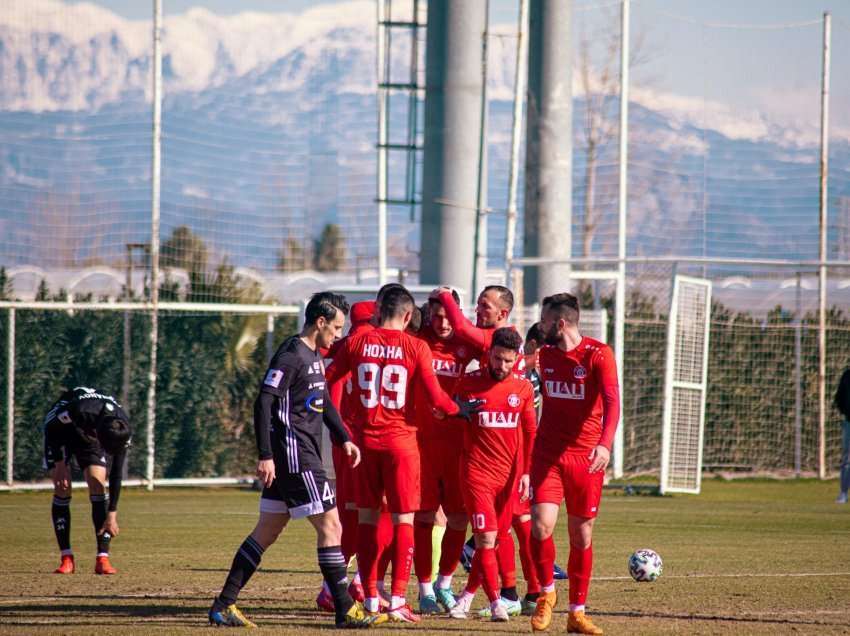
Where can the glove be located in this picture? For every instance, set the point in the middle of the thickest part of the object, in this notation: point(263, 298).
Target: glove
point(466, 408)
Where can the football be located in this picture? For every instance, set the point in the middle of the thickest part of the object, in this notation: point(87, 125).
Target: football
point(645, 565)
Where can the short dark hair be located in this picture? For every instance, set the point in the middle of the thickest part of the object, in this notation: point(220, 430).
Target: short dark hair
point(113, 434)
point(324, 305)
point(385, 288)
point(535, 334)
point(395, 302)
point(505, 294)
point(508, 338)
point(415, 323)
point(566, 306)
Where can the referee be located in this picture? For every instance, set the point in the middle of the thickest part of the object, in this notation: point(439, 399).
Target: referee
point(290, 409)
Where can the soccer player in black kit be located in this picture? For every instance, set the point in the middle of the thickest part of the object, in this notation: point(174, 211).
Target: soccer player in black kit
point(290, 409)
point(88, 426)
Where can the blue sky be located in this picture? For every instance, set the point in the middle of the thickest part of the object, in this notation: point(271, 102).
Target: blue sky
point(691, 50)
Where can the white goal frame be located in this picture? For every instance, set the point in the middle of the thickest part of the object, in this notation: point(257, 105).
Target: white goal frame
point(681, 469)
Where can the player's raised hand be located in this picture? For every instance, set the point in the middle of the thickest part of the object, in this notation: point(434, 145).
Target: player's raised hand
point(353, 454)
point(599, 458)
point(265, 471)
point(467, 408)
point(435, 293)
point(524, 488)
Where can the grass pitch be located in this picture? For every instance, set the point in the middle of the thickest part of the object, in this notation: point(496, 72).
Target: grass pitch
point(756, 557)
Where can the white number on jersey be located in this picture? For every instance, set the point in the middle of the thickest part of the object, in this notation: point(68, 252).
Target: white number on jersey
point(393, 380)
point(328, 493)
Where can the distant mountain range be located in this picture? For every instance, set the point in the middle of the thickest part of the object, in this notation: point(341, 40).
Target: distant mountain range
point(269, 127)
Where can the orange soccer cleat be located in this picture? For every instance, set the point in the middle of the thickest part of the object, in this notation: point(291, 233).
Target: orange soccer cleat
point(66, 566)
point(542, 617)
point(580, 623)
point(103, 566)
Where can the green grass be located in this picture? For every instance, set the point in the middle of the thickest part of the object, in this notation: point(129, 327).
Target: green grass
point(745, 557)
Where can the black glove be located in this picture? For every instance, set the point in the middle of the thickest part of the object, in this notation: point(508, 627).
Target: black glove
point(466, 408)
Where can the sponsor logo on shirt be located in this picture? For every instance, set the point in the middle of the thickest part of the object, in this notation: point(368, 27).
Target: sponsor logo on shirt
point(580, 372)
point(498, 419)
point(513, 400)
point(382, 351)
point(564, 390)
point(317, 367)
point(273, 378)
point(448, 368)
point(315, 402)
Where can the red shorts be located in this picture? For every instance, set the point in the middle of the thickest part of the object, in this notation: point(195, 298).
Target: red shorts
point(519, 507)
point(553, 481)
point(440, 466)
point(346, 486)
point(394, 473)
point(489, 504)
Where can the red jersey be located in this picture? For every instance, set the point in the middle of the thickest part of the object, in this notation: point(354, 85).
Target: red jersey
point(385, 365)
point(479, 338)
point(581, 398)
point(449, 358)
point(341, 391)
point(498, 441)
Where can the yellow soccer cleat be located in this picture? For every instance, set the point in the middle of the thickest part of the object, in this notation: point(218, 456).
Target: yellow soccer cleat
point(580, 623)
point(358, 618)
point(230, 617)
point(542, 617)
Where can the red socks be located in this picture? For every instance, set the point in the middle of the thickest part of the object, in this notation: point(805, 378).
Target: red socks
point(543, 554)
point(367, 558)
point(402, 558)
point(450, 550)
point(422, 553)
point(385, 542)
point(506, 559)
point(579, 568)
point(489, 569)
point(523, 539)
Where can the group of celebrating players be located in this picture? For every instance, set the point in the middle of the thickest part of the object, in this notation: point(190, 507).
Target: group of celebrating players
point(429, 415)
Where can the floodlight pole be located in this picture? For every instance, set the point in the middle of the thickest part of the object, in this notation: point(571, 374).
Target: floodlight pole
point(824, 172)
point(10, 399)
point(479, 264)
point(516, 133)
point(383, 127)
point(620, 300)
point(156, 170)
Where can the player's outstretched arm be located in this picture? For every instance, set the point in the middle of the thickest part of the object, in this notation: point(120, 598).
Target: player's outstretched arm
point(606, 375)
point(463, 328)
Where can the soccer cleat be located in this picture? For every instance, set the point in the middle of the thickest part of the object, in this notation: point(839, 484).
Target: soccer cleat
point(842, 498)
point(359, 618)
point(403, 614)
point(445, 598)
point(66, 566)
point(103, 566)
point(499, 613)
point(466, 556)
point(542, 617)
point(355, 589)
point(513, 608)
point(324, 601)
point(229, 617)
point(461, 608)
point(558, 573)
point(579, 623)
point(428, 605)
point(528, 607)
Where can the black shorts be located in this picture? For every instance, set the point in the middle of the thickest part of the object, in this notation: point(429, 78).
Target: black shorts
point(87, 451)
point(299, 494)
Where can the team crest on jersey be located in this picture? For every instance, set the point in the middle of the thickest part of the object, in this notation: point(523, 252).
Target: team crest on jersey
point(580, 372)
point(461, 351)
point(64, 417)
point(513, 400)
point(273, 378)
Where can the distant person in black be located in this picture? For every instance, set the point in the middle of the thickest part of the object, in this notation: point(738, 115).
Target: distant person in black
point(292, 405)
point(842, 403)
point(88, 426)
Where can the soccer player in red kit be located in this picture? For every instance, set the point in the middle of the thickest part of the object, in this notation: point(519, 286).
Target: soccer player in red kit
point(495, 462)
point(385, 364)
point(581, 409)
point(440, 453)
point(492, 311)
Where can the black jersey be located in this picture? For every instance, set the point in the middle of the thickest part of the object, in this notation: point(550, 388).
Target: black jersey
point(296, 381)
point(78, 413)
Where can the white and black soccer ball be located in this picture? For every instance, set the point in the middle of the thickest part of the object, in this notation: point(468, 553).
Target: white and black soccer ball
point(645, 565)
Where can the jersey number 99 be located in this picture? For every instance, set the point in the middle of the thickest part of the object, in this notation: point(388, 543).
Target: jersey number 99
point(392, 378)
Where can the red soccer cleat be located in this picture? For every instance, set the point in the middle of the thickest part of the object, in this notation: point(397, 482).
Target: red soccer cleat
point(103, 566)
point(66, 566)
point(356, 591)
point(325, 602)
point(403, 614)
